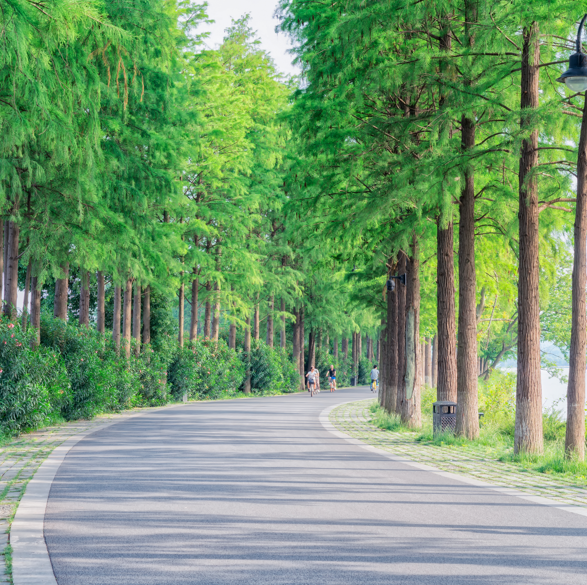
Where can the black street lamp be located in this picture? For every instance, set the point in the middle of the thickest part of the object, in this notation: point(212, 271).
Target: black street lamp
point(575, 77)
point(391, 284)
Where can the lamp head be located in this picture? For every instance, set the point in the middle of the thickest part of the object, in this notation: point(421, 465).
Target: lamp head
point(575, 77)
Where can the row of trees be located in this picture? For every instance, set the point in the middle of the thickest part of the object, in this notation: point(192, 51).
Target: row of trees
point(142, 183)
point(436, 143)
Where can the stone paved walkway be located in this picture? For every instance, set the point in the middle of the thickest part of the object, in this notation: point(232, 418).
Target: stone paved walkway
point(20, 459)
point(474, 461)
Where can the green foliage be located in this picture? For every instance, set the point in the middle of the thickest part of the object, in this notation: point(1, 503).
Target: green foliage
point(205, 369)
point(34, 386)
point(497, 400)
point(271, 369)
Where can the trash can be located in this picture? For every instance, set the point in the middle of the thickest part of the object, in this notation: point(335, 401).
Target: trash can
point(444, 417)
point(353, 381)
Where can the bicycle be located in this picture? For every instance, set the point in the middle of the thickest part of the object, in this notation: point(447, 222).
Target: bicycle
point(373, 385)
point(312, 387)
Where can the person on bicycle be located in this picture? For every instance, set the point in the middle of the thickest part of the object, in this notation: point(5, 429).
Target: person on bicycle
point(311, 376)
point(374, 378)
point(332, 378)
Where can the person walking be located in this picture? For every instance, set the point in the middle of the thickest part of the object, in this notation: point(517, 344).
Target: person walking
point(332, 378)
point(374, 378)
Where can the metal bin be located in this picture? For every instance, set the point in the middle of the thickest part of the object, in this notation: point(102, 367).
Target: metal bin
point(444, 417)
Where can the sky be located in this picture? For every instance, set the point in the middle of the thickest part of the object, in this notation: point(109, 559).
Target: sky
point(261, 11)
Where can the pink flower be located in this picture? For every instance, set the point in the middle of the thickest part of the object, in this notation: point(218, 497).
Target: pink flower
point(10, 325)
point(1, 371)
point(12, 335)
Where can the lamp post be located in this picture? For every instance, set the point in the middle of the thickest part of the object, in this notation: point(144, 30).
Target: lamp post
point(576, 80)
point(575, 77)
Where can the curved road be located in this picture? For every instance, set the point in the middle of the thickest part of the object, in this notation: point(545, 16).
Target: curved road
point(257, 492)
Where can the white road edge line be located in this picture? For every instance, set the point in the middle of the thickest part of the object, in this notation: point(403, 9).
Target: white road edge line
point(325, 421)
point(31, 564)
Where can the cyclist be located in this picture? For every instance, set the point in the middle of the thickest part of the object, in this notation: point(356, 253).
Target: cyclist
point(332, 378)
point(374, 378)
point(311, 375)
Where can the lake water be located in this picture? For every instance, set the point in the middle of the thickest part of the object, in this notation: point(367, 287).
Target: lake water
point(554, 392)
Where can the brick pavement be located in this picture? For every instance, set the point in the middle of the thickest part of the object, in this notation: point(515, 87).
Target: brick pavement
point(476, 461)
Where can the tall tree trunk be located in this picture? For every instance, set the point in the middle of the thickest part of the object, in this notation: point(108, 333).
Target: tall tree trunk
point(256, 323)
point(270, 322)
point(247, 348)
point(311, 349)
point(528, 433)
point(36, 309)
point(181, 314)
point(445, 348)
point(232, 335)
point(296, 341)
point(335, 350)
point(136, 319)
point(126, 317)
point(101, 317)
point(401, 331)
point(216, 317)
point(208, 311)
point(434, 361)
point(359, 349)
point(575, 433)
point(5, 256)
point(410, 408)
point(302, 343)
point(61, 292)
point(84, 304)
point(468, 409)
point(345, 348)
point(428, 363)
point(147, 316)
point(384, 385)
point(194, 317)
point(282, 339)
point(116, 318)
point(391, 348)
point(25, 304)
point(11, 287)
point(2, 257)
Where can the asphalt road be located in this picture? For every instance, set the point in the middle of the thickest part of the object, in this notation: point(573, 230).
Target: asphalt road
point(257, 492)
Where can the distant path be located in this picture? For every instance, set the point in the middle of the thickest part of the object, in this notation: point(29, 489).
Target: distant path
point(257, 492)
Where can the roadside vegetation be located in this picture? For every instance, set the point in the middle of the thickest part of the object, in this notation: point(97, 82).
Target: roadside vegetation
point(496, 433)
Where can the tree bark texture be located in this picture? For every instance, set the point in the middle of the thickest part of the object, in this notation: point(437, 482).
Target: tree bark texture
point(434, 361)
point(101, 304)
point(282, 339)
point(270, 333)
point(575, 433)
point(528, 433)
point(428, 362)
point(216, 316)
point(25, 304)
point(194, 317)
point(136, 319)
point(36, 309)
point(410, 408)
point(126, 317)
point(302, 344)
point(445, 316)
point(147, 316)
point(11, 286)
point(468, 409)
point(181, 314)
point(256, 322)
point(84, 301)
point(2, 258)
point(384, 386)
point(61, 291)
point(335, 349)
point(208, 311)
point(401, 330)
point(247, 348)
point(116, 318)
point(391, 348)
point(296, 341)
point(311, 349)
point(345, 348)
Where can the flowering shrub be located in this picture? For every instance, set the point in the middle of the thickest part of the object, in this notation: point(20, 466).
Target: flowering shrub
point(33, 384)
point(205, 369)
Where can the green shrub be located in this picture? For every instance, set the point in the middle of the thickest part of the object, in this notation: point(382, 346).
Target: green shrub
point(365, 367)
point(205, 369)
point(33, 383)
point(272, 370)
point(497, 400)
